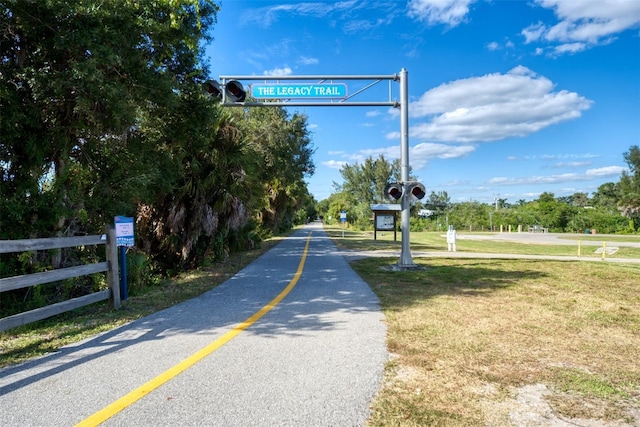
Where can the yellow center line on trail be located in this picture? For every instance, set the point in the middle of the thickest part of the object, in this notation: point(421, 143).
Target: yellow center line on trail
point(137, 394)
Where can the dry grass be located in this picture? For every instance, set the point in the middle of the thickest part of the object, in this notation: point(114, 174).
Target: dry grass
point(475, 342)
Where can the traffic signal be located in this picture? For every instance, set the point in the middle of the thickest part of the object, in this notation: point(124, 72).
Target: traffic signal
point(417, 190)
point(393, 191)
point(233, 90)
point(213, 88)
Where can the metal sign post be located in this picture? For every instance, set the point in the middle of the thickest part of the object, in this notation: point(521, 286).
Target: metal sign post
point(405, 253)
point(322, 91)
point(124, 239)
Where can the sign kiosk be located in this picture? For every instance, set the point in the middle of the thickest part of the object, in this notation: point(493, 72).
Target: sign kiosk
point(384, 218)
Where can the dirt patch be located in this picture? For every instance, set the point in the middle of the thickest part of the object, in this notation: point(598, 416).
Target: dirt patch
point(529, 406)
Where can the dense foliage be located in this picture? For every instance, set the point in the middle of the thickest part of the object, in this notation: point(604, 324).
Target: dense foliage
point(613, 208)
point(103, 114)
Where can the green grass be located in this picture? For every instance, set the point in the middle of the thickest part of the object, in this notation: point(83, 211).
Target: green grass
point(435, 241)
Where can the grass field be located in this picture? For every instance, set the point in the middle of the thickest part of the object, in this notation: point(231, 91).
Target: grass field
point(434, 241)
point(473, 342)
point(504, 342)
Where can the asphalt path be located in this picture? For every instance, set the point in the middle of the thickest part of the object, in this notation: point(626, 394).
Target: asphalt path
point(315, 358)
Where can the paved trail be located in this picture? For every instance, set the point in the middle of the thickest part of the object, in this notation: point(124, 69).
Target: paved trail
point(314, 359)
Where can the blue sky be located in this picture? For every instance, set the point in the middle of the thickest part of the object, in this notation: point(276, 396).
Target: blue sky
point(508, 99)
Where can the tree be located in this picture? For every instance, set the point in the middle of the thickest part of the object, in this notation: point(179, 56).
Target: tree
point(365, 182)
point(284, 147)
point(607, 196)
point(75, 78)
point(438, 202)
point(364, 185)
point(629, 185)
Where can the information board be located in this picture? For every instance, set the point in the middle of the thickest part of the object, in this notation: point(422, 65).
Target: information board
point(124, 231)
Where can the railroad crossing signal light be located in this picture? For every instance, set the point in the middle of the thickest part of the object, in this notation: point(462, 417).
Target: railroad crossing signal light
point(417, 190)
point(393, 191)
point(213, 88)
point(233, 90)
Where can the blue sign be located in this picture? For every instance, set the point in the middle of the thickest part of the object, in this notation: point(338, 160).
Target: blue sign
point(124, 231)
point(343, 216)
point(299, 90)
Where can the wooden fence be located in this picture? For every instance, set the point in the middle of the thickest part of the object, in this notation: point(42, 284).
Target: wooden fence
point(110, 266)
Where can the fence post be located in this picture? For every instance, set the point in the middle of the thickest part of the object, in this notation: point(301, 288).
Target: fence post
point(112, 259)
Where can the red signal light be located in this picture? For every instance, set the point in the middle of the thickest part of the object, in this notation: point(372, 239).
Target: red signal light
point(393, 191)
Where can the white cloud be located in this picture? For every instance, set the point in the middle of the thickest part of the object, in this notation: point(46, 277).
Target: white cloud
point(492, 107)
point(533, 32)
point(334, 164)
point(362, 25)
point(584, 23)
point(308, 61)
point(449, 12)
point(570, 48)
point(268, 15)
point(569, 156)
point(419, 154)
point(608, 171)
point(550, 179)
point(561, 165)
point(284, 71)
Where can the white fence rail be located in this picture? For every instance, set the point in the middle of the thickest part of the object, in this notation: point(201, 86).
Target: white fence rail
point(110, 266)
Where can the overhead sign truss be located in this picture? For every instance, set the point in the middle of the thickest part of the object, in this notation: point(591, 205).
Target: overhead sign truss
point(331, 91)
point(312, 91)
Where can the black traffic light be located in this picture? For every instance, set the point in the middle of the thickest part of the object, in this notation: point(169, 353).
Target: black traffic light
point(233, 90)
point(393, 191)
point(213, 88)
point(417, 190)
